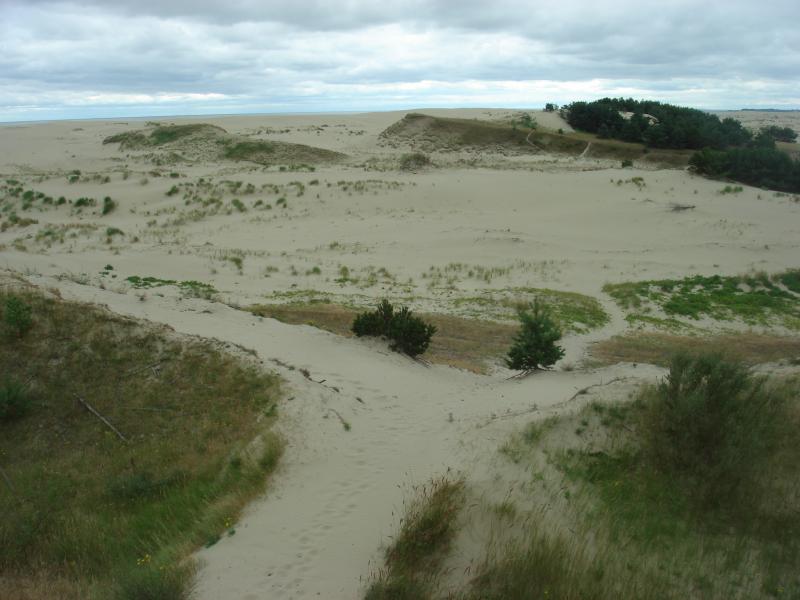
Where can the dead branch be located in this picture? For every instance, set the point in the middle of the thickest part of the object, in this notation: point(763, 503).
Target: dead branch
point(91, 409)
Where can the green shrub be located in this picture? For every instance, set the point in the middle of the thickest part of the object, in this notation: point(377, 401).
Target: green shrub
point(408, 334)
point(534, 345)
point(627, 163)
point(712, 425)
point(17, 316)
point(108, 205)
point(83, 201)
point(14, 400)
point(413, 161)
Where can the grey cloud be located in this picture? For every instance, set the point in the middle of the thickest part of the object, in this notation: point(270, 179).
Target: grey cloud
point(280, 52)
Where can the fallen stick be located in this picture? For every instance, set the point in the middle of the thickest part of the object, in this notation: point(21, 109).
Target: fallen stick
point(102, 418)
point(8, 481)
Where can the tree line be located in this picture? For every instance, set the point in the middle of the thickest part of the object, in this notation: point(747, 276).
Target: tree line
point(725, 148)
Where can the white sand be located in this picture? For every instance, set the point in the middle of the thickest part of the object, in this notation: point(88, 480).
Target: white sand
point(553, 222)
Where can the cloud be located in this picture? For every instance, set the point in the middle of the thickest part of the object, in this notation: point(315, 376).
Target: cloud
point(357, 54)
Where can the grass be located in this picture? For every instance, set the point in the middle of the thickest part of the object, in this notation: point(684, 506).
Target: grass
point(658, 348)
point(191, 288)
point(426, 532)
point(159, 135)
point(273, 152)
point(703, 465)
point(690, 490)
point(448, 133)
point(754, 299)
point(414, 161)
point(92, 515)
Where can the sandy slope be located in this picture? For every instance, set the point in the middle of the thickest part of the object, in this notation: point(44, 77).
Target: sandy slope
point(541, 221)
point(338, 494)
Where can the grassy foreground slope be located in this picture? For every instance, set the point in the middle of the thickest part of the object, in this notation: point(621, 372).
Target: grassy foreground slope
point(687, 490)
point(123, 448)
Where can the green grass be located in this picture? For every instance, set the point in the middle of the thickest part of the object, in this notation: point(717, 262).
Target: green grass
point(196, 289)
point(427, 530)
point(159, 135)
point(754, 299)
point(572, 312)
point(92, 515)
point(705, 464)
point(247, 150)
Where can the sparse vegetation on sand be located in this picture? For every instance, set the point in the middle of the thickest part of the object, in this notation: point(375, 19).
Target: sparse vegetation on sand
point(459, 342)
point(688, 490)
point(755, 299)
point(136, 448)
point(160, 135)
point(414, 161)
point(448, 134)
point(427, 529)
point(196, 289)
point(210, 141)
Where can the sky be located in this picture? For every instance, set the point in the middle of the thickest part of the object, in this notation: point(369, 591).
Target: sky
point(125, 58)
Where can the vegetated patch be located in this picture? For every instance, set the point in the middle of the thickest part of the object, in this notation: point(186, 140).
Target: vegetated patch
point(201, 140)
point(459, 342)
point(112, 507)
point(658, 348)
point(427, 529)
point(160, 135)
point(572, 312)
point(754, 299)
point(414, 161)
point(441, 133)
point(687, 489)
point(705, 465)
point(274, 152)
point(196, 289)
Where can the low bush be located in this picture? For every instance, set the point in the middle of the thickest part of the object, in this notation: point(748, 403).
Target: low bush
point(414, 161)
point(408, 334)
point(108, 205)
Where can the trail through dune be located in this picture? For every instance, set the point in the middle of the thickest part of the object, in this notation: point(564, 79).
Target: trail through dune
point(320, 528)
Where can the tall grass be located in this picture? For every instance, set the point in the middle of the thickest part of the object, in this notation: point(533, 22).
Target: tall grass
point(108, 517)
point(427, 529)
point(712, 426)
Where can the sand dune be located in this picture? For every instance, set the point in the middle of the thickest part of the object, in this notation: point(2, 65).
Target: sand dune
point(478, 221)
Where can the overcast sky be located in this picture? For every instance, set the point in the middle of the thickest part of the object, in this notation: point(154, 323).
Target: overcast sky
point(107, 58)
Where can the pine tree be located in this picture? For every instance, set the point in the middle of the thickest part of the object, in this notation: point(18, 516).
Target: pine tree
point(535, 344)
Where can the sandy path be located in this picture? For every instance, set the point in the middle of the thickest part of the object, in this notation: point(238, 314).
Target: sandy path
point(337, 497)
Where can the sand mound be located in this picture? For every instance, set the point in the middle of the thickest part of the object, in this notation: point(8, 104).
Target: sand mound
point(201, 141)
point(439, 133)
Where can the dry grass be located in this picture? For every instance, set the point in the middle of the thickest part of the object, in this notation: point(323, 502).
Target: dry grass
point(659, 348)
point(88, 514)
point(459, 342)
